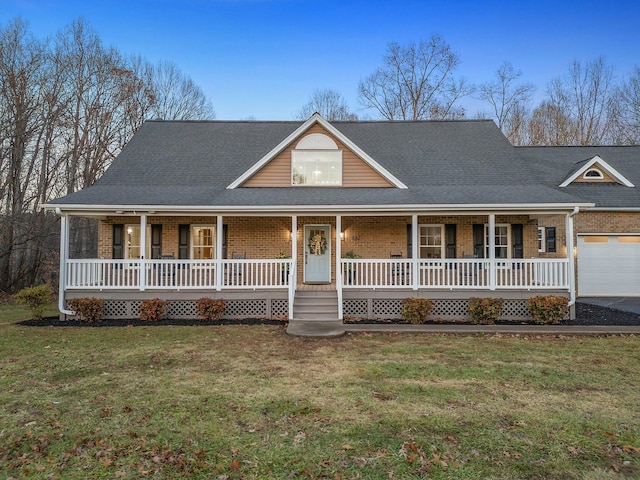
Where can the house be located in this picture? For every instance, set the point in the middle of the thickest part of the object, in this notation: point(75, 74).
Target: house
point(325, 220)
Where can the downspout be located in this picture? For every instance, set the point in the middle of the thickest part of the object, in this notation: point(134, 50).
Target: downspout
point(64, 253)
point(572, 259)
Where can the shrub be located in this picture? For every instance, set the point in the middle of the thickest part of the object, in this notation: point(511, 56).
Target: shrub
point(36, 298)
point(154, 309)
point(416, 310)
point(485, 311)
point(90, 309)
point(548, 309)
point(210, 309)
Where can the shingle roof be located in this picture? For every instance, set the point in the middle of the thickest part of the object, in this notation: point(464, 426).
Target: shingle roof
point(187, 163)
point(557, 163)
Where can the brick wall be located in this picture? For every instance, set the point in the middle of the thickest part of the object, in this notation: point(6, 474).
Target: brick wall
point(369, 237)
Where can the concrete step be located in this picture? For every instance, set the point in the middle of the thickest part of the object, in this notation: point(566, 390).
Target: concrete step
point(317, 305)
point(316, 294)
point(326, 328)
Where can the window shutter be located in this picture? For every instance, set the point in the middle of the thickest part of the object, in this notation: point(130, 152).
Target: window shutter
point(225, 240)
point(551, 239)
point(409, 241)
point(156, 241)
point(450, 239)
point(183, 241)
point(117, 241)
point(478, 240)
point(517, 240)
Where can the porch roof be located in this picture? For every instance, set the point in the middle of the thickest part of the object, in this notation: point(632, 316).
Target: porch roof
point(444, 164)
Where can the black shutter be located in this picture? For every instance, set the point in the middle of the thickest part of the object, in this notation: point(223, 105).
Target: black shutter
point(550, 233)
point(409, 241)
point(156, 241)
point(225, 240)
point(117, 241)
point(183, 241)
point(478, 240)
point(450, 239)
point(517, 240)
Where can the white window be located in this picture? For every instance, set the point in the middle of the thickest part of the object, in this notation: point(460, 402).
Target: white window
point(316, 161)
point(431, 241)
point(318, 168)
point(541, 239)
point(203, 239)
point(132, 249)
point(502, 240)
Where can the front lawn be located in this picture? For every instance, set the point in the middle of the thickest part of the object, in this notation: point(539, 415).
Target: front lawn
point(232, 402)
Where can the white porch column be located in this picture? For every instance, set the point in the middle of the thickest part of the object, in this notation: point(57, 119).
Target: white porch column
point(64, 256)
point(142, 274)
point(294, 239)
point(492, 251)
point(415, 272)
point(293, 275)
point(338, 263)
point(219, 240)
point(571, 259)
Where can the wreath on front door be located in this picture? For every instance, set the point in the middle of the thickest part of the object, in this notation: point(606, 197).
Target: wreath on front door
point(317, 244)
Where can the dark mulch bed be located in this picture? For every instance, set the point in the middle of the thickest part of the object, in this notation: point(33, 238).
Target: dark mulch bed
point(585, 315)
point(136, 322)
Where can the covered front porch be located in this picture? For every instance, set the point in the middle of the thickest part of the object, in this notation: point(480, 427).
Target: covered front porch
point(367, 257)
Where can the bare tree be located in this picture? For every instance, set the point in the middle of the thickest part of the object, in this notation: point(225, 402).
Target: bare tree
point(549, 125)
point(176, 96)
point(328, 103)
point(23, 78)
point(67, 107)
point(415, 82)
point(586, 96)
point(509, 99)
point(629, 110)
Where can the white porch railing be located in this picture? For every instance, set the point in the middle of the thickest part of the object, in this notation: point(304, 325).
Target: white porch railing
point(225, 274)
point(456, 273)
point(97, 274)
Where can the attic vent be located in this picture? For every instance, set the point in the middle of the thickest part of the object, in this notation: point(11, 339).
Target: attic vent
point(593, 174)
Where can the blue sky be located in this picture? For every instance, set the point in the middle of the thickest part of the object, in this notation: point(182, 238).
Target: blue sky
point(263, 58)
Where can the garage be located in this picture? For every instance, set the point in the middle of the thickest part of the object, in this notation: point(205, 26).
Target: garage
point(609, 265)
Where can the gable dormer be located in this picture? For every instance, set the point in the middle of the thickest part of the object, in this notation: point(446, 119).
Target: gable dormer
point(596, 170)
point(317, 155)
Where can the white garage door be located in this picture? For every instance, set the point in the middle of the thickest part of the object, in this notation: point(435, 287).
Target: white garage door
point(609, 265)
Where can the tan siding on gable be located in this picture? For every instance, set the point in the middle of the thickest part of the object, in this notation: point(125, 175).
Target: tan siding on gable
point(355, 172)
point(606, 177)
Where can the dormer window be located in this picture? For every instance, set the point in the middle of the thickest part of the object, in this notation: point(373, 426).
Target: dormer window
point(316, 161)
point(593, 174)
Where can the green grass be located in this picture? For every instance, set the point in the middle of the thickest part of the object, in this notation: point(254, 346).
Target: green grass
point(252, 402)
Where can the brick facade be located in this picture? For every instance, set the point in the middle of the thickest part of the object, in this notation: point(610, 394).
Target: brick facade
point(369, 237)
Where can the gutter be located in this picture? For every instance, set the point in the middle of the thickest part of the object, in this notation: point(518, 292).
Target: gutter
point(301, 209)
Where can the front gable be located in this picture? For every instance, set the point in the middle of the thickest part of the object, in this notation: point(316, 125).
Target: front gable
point(317, 135)
point(596, 170)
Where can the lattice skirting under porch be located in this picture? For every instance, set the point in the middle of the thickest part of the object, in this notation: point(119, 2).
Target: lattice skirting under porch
point(271, 308)
point(449, 309)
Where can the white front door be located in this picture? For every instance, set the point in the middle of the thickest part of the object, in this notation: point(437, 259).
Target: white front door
point(317, 253)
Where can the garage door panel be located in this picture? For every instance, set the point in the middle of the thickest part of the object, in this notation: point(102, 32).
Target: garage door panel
point(609, 268)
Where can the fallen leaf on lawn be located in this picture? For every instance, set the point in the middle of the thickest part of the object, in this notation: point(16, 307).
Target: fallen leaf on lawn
point(347, 447)
point(630, 449)
point(574, 451)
